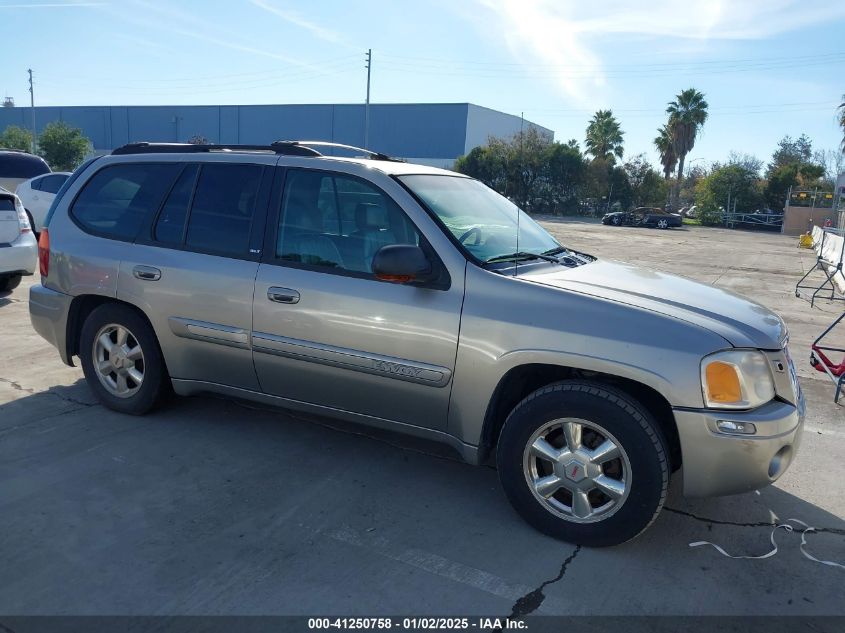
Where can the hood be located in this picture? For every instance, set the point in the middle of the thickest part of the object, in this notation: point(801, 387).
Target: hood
point(740, 321)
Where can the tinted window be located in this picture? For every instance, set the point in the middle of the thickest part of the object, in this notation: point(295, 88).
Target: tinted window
point(52, 184)
point(119, 199)
point(171, 221)
point(7, 204)
point(21, 165)
point(221, 215)
point(338, 221)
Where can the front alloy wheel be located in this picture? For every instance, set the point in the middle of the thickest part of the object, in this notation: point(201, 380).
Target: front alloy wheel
point(584, 462)
point(577, 469)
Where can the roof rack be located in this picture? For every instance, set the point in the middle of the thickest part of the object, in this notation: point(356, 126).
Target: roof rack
point(369, 153)
point(285, 148)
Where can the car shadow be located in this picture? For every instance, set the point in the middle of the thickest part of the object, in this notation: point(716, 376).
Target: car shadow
point(169, 512)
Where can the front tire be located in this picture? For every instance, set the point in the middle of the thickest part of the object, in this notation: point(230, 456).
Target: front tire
point(9, 282)
point(122, 359)
point(584, 462)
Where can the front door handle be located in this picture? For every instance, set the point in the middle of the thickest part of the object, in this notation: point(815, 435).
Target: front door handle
point(283, 295)
point(146, 273)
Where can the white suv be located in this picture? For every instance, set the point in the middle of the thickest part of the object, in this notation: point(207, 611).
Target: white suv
point(18, 249)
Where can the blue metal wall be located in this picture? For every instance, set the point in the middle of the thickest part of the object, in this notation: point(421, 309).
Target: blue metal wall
point(412, 130)
point(436, 131)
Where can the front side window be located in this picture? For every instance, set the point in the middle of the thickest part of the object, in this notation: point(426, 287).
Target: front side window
point(338, 222)
point(119, 199)
point(484, 222)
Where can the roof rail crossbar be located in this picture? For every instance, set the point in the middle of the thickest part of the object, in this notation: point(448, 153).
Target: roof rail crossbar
point(287, 149)
point(370, 153)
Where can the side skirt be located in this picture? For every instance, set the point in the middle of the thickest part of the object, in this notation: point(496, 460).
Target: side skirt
point(193, 387)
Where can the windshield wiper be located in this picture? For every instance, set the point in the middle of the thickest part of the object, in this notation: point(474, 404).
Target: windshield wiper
point(522, 255)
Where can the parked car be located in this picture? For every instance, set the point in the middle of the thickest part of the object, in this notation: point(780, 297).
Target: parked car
point(18, 250)
point(691, 213)
point(17, 166)
point(643, 216)
point(398, 296)
point(37, 195)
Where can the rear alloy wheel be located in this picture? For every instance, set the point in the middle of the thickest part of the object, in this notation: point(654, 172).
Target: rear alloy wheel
point(663, 224)
point(584, 462)
point(122, 360)
point(9, 282)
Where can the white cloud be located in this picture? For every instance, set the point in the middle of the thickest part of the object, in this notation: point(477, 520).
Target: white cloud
point(296, 19)
point(569, 34)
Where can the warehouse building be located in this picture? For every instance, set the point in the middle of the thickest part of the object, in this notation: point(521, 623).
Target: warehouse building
point(429, 133)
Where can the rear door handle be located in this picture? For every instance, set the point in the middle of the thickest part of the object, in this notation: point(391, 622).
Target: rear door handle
point(283, 295)
point(146, 273)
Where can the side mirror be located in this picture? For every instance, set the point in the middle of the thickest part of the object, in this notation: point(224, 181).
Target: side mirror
point(401, 264)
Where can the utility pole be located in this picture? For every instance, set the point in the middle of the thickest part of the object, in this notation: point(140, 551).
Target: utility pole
point(367, 104)
point(32, 108)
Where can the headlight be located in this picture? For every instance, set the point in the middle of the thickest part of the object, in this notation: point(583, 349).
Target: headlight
point(736, 379)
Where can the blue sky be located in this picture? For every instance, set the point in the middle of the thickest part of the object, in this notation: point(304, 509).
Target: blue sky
point(767, 68)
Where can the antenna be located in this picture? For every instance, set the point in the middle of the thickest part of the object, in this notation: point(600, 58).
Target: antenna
point(367, 104)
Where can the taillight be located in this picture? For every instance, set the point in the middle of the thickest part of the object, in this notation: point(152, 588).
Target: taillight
point(23, 218)
point(44, 252)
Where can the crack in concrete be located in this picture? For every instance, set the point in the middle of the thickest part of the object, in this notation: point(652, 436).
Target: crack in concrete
point(16, 385)
point(531, 601)
point(768, 524)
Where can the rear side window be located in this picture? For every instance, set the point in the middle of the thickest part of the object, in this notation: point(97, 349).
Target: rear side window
point(118, 200)
point(221, 215)
point(51, 184)
point(170, 226)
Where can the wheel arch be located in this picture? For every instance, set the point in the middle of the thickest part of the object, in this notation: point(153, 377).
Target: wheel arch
point(520, 381)
point(80, 308)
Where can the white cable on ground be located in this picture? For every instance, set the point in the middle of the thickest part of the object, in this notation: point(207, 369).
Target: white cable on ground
point(788, 528)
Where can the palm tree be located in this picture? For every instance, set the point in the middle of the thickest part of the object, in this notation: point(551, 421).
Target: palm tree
point(687, 113)
point(841, 109)
point(663, 143)
point(604, 137)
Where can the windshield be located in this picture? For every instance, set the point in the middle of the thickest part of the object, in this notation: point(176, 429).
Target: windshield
point(482, 220)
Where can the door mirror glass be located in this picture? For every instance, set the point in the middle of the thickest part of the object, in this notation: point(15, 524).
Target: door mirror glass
point(402, 264)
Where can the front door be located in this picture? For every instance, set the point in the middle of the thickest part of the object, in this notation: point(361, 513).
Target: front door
point(326, 331)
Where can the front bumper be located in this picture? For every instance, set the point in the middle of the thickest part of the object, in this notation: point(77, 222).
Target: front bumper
point(716, 463)
point(48, 311)
point(20, 257)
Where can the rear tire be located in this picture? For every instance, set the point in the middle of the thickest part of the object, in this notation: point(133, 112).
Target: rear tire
point(122, 359)
point(587, 496)
point(9, 282)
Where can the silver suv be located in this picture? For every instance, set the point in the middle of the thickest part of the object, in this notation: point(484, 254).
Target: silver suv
point(414, 299)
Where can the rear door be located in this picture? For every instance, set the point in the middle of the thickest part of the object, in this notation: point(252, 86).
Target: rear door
point(194, 267)
point(326, 331)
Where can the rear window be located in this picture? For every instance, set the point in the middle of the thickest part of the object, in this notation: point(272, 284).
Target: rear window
point(21, 165)
point(118, 200)
point(7, 204)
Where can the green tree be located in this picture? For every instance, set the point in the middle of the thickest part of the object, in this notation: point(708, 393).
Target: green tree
point(565, 176)
point(15, 137)
point(687, 114)
point(730, 184)
point(792, 165)
point(664, 145)
point(62, 146)
point(647, 187)
point(604, 137)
